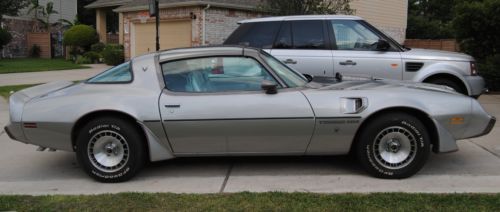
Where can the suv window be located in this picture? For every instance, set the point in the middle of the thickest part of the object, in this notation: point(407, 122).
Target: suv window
point(215, 74)
point(258, 35)
point(307, 34)
point(352, 35)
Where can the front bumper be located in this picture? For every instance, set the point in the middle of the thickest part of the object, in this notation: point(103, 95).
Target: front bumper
point(489, 127)
point(476, 85)
point(15, 132)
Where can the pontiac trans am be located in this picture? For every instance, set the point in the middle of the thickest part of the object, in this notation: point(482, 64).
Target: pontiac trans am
point(237, 101)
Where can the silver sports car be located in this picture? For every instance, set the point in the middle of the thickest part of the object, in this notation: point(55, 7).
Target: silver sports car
point(235, 101)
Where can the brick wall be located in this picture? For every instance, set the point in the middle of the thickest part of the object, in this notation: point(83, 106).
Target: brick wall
point(222, 22)
point(19, 29)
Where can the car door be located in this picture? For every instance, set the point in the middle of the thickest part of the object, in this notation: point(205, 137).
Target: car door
point(215, 105)
point(303, 45)
point(355, 52)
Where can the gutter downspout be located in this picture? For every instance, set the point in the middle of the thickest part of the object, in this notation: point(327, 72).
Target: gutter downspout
point(204, 34)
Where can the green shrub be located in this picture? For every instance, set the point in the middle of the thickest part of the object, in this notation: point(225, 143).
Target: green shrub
point(113, 54)
point(5, 37)
point(82, 60)
point(93, 56)
point(490, 70)
point(80, 35)
point(35, 51)
point(97, 47)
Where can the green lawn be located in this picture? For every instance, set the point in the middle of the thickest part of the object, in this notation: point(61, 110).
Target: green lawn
point(273, 201)
point(5, 90)
point(35, 64)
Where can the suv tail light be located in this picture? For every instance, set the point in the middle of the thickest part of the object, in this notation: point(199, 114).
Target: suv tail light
point(473, 68)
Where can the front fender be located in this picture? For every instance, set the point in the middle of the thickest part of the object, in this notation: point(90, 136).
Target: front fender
point(455, 70)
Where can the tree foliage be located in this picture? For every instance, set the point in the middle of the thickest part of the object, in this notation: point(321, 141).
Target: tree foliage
point(11, 7)
point(430, 19)
point(5, 37)
point(477, 27)
point(307, 7)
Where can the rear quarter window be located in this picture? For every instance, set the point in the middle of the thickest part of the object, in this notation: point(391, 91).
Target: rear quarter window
point(258, 35)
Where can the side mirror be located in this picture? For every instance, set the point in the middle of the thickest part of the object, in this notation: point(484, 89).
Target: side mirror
point(308, 77)
point(269, 86)
point(383, 45)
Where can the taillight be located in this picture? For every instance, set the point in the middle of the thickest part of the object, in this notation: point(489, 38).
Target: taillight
point(473, 68)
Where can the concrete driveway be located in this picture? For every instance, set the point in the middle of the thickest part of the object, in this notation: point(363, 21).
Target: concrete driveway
point(475, 168)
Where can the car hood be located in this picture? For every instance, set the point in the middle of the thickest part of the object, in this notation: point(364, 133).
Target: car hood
point(429, 54)
point(384, 84)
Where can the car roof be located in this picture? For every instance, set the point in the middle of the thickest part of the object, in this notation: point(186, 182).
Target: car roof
point(204, 50)
point(301, 17)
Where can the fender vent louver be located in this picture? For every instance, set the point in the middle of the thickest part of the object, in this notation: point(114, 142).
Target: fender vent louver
point(413, 66)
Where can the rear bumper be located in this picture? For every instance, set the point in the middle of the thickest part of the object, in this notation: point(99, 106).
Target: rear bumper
point(476, 85)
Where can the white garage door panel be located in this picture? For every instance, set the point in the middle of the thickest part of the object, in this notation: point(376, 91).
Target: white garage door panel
point(173, 34)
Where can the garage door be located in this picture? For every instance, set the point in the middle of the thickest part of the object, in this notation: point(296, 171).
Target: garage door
point(173, 34)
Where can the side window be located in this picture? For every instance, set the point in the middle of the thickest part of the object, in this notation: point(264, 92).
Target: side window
point(258, 35)
point(352, 35)
point(214, 74)
point(308, 34)
point(284, 39)
point(118, 74)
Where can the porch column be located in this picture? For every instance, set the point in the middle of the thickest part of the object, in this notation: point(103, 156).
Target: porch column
point(101, 24)
point(120, 28)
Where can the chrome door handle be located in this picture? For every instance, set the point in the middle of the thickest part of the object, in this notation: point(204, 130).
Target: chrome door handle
point(348, 63)
point(172, 106)
point(290, 61)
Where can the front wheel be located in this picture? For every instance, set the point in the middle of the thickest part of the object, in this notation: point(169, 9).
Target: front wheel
point(110, 149)
point(393, 146)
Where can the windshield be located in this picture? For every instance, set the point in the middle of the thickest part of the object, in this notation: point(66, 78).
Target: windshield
point(289, 76)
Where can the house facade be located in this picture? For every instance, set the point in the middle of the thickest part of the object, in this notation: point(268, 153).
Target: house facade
point(185, 23)
point(25, 23)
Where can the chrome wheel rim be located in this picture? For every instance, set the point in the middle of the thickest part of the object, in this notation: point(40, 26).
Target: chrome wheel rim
point(395, 147)
point(108, 151)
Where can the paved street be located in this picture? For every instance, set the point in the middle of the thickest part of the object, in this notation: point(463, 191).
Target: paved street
point(50, 76)
point(475, 168)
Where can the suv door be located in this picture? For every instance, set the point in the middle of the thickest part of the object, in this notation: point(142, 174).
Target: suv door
point(355, 51)
point(304, 46)
point(215, 105)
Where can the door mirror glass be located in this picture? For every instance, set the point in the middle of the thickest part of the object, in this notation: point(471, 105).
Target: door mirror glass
point(269, 86)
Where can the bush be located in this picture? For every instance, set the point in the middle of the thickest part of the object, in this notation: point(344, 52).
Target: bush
point(35, 51)
point(97, 47)
point(82, 60)
point(490, 70)
point(113, 54)
point(92, 56)
point(5, 37)
point(80, 35)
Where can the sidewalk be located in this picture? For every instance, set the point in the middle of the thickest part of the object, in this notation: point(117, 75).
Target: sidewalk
point(50, 76)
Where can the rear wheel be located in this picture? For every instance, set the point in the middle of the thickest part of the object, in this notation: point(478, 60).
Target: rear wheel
point(110, 149)
point(393, 146)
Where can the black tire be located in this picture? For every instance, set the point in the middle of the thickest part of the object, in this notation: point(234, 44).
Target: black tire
point(388, 135)
point(450, 83)
point(122, 143)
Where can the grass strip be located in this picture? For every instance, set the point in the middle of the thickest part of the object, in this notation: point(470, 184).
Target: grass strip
point(272, 201)
point(21, 65)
